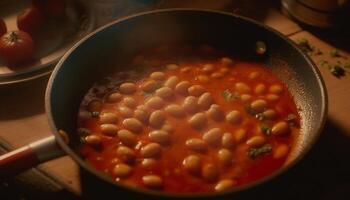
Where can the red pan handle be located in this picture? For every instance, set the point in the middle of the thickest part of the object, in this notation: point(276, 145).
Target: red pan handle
point(29, 156)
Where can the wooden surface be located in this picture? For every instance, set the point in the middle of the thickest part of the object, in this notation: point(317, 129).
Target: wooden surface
point(23, 119)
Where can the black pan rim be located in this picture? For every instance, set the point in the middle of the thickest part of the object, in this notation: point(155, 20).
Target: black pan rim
point(100, 175)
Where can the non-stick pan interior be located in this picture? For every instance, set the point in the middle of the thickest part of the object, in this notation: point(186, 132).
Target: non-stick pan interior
point(111, 47)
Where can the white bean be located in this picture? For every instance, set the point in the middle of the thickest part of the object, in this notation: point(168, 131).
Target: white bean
point(242, 88)
point(234, 117)
point(126, 154)
point(151, 150)
point(198, 121)
point(258, 106)
point(226, 61)
point(213, 136)
point(240, 135)
point(157, 119)
point(196, 145)
point(175, 110)
point(224, 184)
point(192, 164)
point(93, 140)
point(142, 114)
point(196, 90)
point(108, 118)
point(114, 97)
point(254, 75)
point(280, 128)
point(272, 97)
point(130, 102)
point(207, 68)
point(127, 88)
point(152, 181)
point(217, 75)
point(190, 104)
point(245, 98)
point(260, 89)
point(256, 141)
point(225, 157)
point(276, 89)
point(164, 92)
point(182, 87)
point(210, 172)
point(125, 111)
point(205, 100)
point(149, 86)
point(127, 138)
point(133, 125)
point(122, 170)
point(149, 163)
point(155, 102)
point(158, 76)
point(202, 78)
point(224, 70)
point(172, 66)
point(227, 140)
point(270, 114)
point(159, 136)
point(171, 82)
point(216, 113)
point(280, 151)
point(109, 129)
point(168, 128)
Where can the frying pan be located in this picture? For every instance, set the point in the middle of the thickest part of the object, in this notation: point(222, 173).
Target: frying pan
point(109, 48)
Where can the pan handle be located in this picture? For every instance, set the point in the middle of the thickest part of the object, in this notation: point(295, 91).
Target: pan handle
point(29, 156)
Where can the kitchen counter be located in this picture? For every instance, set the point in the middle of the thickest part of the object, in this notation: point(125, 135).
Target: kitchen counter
point(323, 174)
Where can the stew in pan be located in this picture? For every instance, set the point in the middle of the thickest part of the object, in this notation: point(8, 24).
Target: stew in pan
point(188, 120)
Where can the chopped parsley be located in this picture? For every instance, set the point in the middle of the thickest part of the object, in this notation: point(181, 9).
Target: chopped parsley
point(337, 71)
point(250, 111)
point(229, 96)
point(265, 129)
point(305, 45)
point(255, 152)
point(334, 53)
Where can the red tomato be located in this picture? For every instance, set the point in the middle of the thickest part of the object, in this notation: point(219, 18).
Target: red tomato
point(16, 47)
point(51, 8)
point(3, 28)
point(30, 20)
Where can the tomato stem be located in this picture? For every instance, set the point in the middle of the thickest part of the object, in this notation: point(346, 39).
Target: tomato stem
point(13, 37)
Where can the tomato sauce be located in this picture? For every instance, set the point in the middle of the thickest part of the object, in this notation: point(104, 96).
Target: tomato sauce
point(244, 167)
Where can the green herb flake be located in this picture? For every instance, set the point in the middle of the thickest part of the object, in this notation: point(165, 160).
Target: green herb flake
point(337, 71)
point(323, 62)
point(228, 96)
point(249, 110)
point(334, 53)
point(255, 152)
point(305, 45)
point(265, 129)
point(95, 114)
